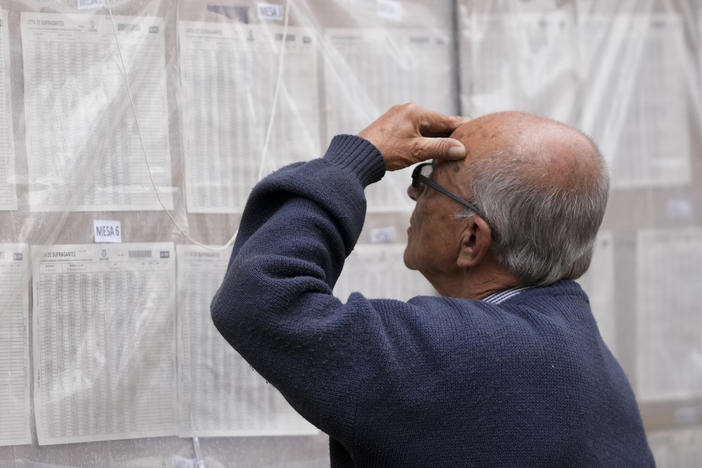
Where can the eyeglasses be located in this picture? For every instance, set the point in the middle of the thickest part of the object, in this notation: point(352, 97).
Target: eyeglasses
point(421, 175)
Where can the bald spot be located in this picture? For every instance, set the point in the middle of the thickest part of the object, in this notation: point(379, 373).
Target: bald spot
point(547, 153)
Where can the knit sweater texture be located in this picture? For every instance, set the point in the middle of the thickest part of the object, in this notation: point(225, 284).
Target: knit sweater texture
point(432, 382)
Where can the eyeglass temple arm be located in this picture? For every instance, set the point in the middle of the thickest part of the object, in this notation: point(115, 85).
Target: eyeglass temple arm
point(439, 188)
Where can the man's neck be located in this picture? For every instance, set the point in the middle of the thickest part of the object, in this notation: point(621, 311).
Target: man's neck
point(476, 283)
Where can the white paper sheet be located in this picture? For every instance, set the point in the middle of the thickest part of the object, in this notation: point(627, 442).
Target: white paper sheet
point(83, 148)
point(598, 283)
point(518, 61)
point(488, 64)
point(228, 75)
point(369, 70)
point(669, 314)
point(378, 272)
point(8, 194)
point(677, 449)
point(637, 100)
point(221, 394)
point(104, 342)
point(14, 345)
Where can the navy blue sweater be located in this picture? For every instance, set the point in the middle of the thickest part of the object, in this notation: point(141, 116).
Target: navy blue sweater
point(432, 382)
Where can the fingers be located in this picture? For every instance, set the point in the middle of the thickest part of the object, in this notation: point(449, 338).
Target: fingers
point(438, 148)
point(436, 124)
point(408, 133)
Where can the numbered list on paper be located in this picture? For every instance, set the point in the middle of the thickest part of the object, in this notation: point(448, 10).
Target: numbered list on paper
point(522, 60)
point(221, 394)
point(104, 342)
point(630, 59)
point(229, 74)
point(668, 321)
point(369, 70)
point(8, 194)
point(14, 346)
point(83, 147)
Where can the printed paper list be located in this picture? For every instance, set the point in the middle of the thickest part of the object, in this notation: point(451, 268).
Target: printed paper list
point(83, 148)
point(14, 346)
point(104, 342)
point(221, 394)
point(229, 75)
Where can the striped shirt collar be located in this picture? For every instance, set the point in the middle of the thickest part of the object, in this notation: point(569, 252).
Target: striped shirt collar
point(501, 296)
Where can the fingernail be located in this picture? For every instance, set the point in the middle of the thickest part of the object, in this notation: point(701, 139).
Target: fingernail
point(457, 152)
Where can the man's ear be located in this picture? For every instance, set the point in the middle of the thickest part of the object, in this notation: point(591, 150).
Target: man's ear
point(475, 243)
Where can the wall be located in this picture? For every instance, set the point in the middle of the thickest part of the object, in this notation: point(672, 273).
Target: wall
point(160, 116)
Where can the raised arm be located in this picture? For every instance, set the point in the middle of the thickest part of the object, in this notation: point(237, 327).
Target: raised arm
point(275, 305)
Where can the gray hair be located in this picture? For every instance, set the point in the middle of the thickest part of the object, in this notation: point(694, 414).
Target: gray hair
point(545, 232)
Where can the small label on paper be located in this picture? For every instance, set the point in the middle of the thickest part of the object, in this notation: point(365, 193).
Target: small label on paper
point(268, 11)
point(107, 231)
point(390, 9)
point(679, 208)
point(686, 416)
point(386, 235)
point(83, 4)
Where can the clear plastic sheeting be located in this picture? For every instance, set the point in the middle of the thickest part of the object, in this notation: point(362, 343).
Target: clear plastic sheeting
point(222, 64)
point(133, 130)
point(221, 395)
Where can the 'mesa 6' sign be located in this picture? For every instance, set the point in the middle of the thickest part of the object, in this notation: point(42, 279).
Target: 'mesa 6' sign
point(107, 231)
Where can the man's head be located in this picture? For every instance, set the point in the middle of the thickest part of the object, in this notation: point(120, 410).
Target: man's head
point(541, 187)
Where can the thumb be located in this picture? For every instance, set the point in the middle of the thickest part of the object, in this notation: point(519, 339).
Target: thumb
point(440, 148)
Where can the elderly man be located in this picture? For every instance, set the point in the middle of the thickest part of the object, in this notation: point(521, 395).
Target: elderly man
point(507, 367)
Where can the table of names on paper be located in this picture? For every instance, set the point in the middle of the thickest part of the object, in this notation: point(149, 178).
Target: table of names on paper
point(83, 146)
point(104, 342)
point(370, 70)
point(228, 74)
point(14, 346)
point(668, 321)
point(635, 124)
point(519, 61)
point(8, 193)
point(221, 394)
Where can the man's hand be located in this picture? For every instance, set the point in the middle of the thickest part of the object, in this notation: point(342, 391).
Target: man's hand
point(408, 134)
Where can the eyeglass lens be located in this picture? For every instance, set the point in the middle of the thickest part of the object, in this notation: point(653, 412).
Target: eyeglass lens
point(424, 170)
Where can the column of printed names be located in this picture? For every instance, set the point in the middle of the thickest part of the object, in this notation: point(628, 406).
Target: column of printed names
point(83, 148)
point(104, 342)
point(229, 74)
point(628, 59)
point(221, 394)
point(8, 194)
point(668, 321)
point(14, 345)
point(520, 60)
point(369, 70)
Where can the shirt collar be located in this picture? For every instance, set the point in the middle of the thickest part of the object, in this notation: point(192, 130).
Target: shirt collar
point(501, 296)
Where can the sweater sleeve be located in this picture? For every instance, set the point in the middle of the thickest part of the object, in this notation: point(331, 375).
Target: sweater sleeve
point(275, 305)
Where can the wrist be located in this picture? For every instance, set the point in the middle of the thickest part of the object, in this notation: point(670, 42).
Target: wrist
point(359, 156)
